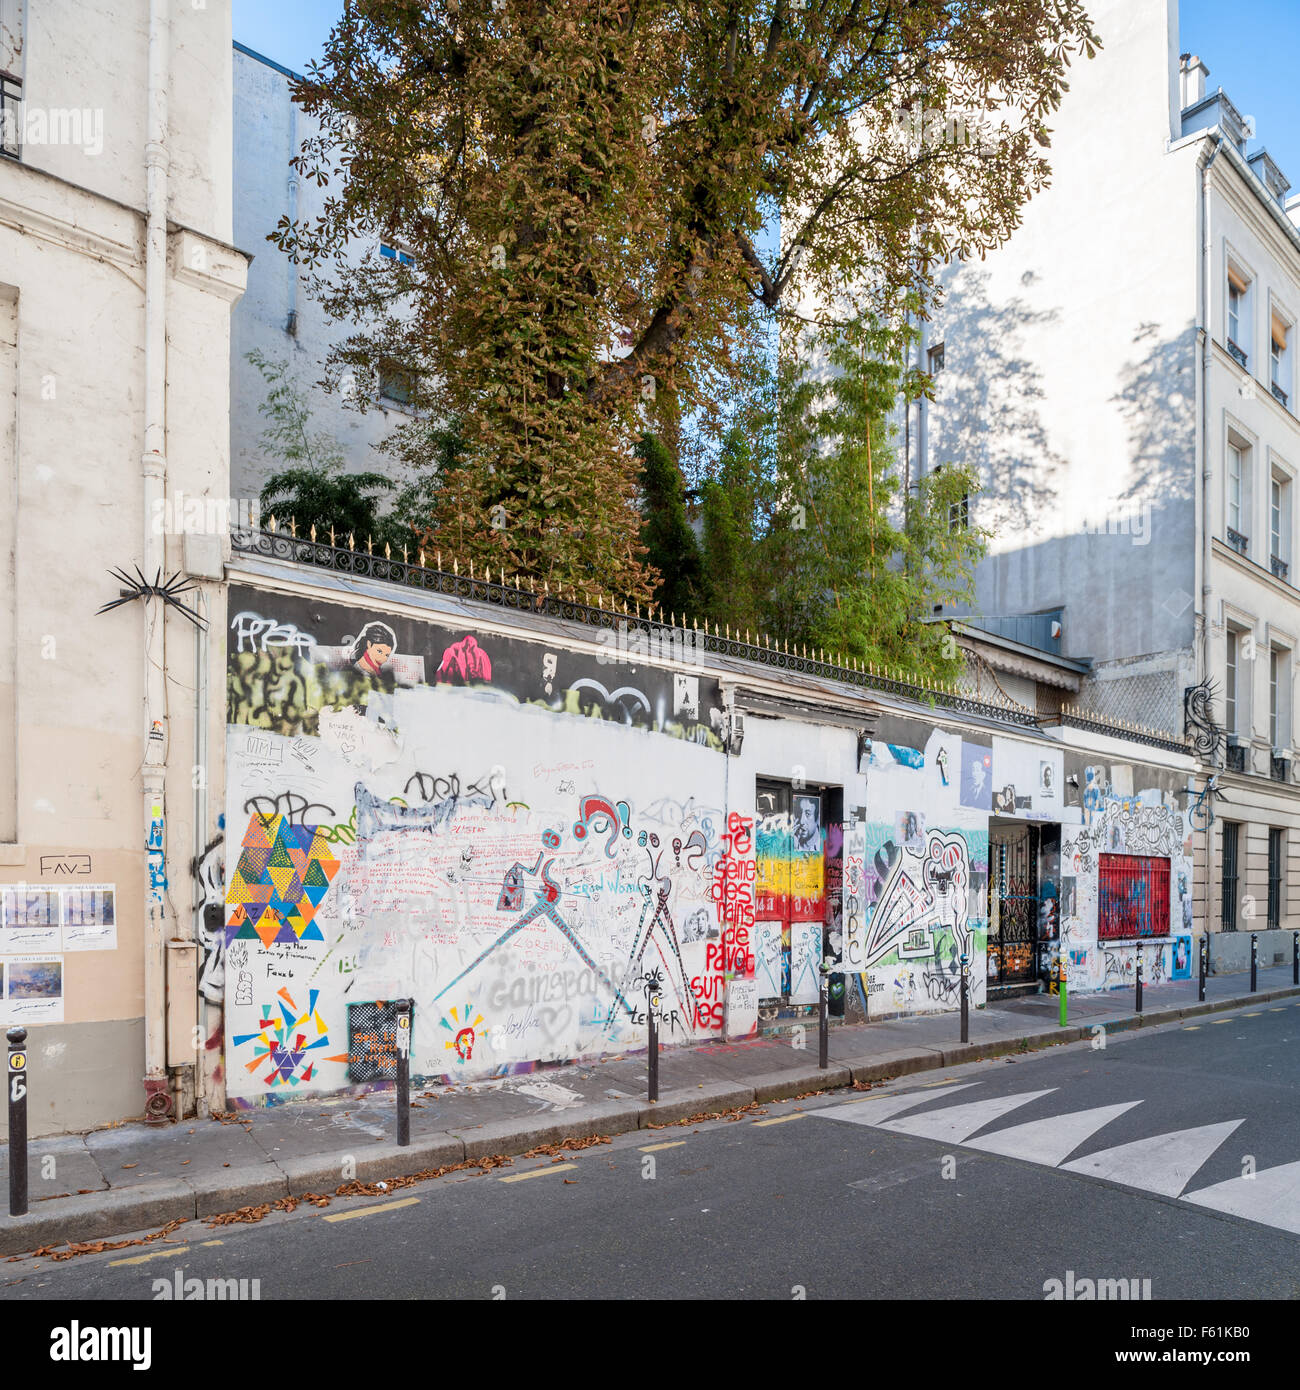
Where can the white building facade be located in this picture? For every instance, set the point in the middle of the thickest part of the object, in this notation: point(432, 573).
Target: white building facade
point(1122, 373)
point(117, 275)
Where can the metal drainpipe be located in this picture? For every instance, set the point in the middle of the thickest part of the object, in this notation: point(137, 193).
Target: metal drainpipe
point(291, 324)
point(153, 468)
point(1203, 589)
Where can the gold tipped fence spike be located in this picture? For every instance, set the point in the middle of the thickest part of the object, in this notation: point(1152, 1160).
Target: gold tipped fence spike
point(387, 553)
point(272, 525)
point(439, 559)
point(293, 530)
point(370, 545)
point(331, 535)
point(313, 530)
point(455, 566)
point(422, 559)
point(404, 555)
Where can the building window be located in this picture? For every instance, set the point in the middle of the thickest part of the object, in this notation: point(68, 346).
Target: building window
point(1279, 699)
point(1276, 858)
point(393, 253)
point(1238, 316)
point(1279, 359)
point(1229, 904)
point(396, 384)
point(936, 359)
point(959, 513)
point(1237, 498)
point(1230, 681)
point(11, 78)
point(1133, 897)
point(1279, 524)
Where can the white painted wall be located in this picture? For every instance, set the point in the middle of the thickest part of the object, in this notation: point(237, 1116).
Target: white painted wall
point(265, 126)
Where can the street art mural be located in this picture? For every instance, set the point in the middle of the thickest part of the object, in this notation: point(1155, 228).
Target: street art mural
point(479, 824)
point(1116, 819)
point(916, 876)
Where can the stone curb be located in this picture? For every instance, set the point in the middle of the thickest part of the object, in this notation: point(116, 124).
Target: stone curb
point(146, 1206)
point(708, 1099)
point(514, 1136)
point(97, 1215)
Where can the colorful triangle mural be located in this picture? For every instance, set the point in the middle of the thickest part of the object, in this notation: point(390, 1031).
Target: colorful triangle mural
point(283, 874)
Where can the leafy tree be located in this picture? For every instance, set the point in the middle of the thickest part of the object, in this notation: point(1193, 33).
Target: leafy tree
point(666, 533)
point(809, 532)
point(581, 187)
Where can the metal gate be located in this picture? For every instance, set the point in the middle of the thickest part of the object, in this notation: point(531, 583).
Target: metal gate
point(1013, 905)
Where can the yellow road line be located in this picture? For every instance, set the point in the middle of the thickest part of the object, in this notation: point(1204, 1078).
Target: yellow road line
point(654, 1148)
point(152, 1255)
point(1250, 1015)
point(212, 1242)
point(537, 1172)
point(1218, 1021)
point(370, 1211)
point(1192, 1028)
point(1275, 1011)
point(780, 1120)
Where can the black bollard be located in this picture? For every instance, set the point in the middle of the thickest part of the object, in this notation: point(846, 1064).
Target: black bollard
point(17, 1121)
point(1254, 962)
point(652, 1061)
point(965, 999)
point(1205, 952)
point(824, 1021)
point(1139, 979)
point(1295, 957)
point(404, 1074)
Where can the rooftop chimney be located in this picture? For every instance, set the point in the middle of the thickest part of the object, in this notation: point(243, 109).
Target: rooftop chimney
point(1193, 73)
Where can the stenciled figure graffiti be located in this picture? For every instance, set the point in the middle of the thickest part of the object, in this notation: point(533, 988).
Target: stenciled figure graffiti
point(373, 647)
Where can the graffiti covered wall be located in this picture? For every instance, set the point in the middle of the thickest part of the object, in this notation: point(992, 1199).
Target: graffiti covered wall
point(525, 840)
point(1117, 819)
point(917, 871)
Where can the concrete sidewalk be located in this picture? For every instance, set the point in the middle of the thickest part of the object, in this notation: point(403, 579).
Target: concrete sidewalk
point(134, 1177)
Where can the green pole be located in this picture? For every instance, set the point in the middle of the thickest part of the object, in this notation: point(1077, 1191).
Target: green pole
point(1063, 1000)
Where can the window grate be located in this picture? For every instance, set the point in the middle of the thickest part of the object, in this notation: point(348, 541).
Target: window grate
point(1133, 898)
point(1274, 879)
point(1229, 903)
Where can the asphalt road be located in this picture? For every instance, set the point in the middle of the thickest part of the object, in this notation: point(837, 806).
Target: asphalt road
point(986, 1181)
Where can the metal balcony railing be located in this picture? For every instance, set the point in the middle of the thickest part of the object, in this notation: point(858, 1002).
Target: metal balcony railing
point(1235, 757)
point(1237, 352)
point(1280, 769)
point(1280, 568)
point(1237, 541)
point(1278, 393)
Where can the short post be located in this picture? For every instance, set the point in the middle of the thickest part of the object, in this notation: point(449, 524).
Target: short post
point(1254, 962)
point(965, 998)
point(824, 1016)
point(652, 1061)
point(1204, 954)
point(1061, 988)
point(1139, 979)
point(404, 1073)
point(1295, 957)
point(17, 1121)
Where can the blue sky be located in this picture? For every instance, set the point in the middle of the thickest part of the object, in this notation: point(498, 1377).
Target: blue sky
point(1252, 48)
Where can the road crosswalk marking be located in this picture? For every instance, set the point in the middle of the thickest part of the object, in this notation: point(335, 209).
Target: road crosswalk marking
point(1164, 1164)
point(1053, 1140)
point(878, 1108)
point(1271, 1196)
point(954, 1123)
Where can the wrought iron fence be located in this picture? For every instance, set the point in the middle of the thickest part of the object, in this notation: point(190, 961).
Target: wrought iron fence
point(975, 691)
